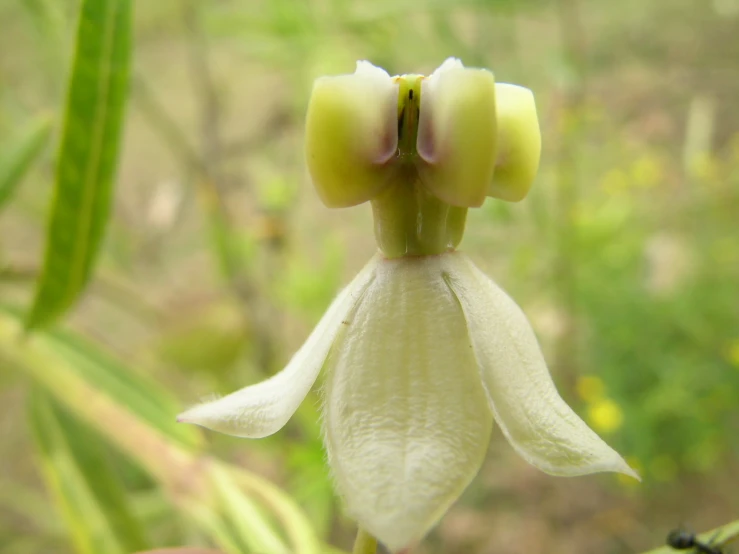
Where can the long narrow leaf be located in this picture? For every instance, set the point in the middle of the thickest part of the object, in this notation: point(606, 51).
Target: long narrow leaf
point(88, 154)
point(18, 156)
point(80, 476)
point(186, 476)
point(142, 396)
point(245, 518)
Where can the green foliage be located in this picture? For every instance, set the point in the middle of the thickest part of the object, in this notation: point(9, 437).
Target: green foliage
point(211, 340)
point(96, 99)
point(108, 375)
point(625, 256)
point(18, 156)
point(228, 505)
point(80, 474)
point(660, 337)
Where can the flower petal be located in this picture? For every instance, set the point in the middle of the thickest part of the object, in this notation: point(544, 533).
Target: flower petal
point(263, 409)
point(519, 143)
point(407, 421)
point(351, 130)
point(457, 133)
point(534, 418)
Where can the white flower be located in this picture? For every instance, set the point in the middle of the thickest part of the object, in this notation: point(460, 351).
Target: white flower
point(421, 352)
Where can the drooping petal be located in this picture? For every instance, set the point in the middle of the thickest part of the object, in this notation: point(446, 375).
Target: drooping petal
point(406, 419)
point(536, 421)
point(263, 409)
point(351, 130)
point(519, 143)
point(457, 133)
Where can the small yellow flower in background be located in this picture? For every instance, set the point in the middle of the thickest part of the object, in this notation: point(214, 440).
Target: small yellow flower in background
point(605, 415)
point(590, 388)
point(422, 352)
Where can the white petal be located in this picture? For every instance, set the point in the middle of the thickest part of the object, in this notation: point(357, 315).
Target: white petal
point(407, 421)
point(449, 63)
point(367, 69)
point(263, 409)
point(534, 418)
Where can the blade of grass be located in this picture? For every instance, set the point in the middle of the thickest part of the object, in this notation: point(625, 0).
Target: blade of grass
point(296, 525)
point(78, 472)
point(185, 476)
point(244, 516)
point(87, 158)
point(16, 158)
point(142, 396)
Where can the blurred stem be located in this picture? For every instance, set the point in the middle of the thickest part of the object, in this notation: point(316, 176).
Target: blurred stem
point(213, 188)
point(565, 266)
point(202, 80)
point(720, 537)
point(297, 528)
point(158, 117)
point(110, 288)
point(364, 543)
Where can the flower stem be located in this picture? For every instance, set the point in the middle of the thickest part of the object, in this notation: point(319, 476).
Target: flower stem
point(717, 537)
point(364, 543)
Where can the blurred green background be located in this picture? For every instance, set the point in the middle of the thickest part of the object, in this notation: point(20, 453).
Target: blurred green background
point(219, 259)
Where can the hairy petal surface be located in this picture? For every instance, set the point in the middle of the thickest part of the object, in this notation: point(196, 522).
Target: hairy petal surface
point(263, 409)
point(406, 418)
point(536, 421)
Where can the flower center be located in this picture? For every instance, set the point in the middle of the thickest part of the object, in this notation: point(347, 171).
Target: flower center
point(409, 220)
point(409, 110)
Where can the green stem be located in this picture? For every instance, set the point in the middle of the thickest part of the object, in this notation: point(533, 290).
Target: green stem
point(718, 537)
point(364, 543)
point(411, 222)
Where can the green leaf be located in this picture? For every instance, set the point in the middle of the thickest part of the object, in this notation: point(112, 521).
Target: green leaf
point(186, 477)
point(88, 154)
point(50, 22)
point(80, 475)
point(19, 155)
point(142, 396)
point(246, 519)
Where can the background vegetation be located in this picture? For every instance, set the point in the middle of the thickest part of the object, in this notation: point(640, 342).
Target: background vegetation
point(218, 258)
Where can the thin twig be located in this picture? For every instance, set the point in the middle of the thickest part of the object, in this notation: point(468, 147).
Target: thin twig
point(112, 290)
point(213, 183)
point(145, 99)
point(565, 265)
